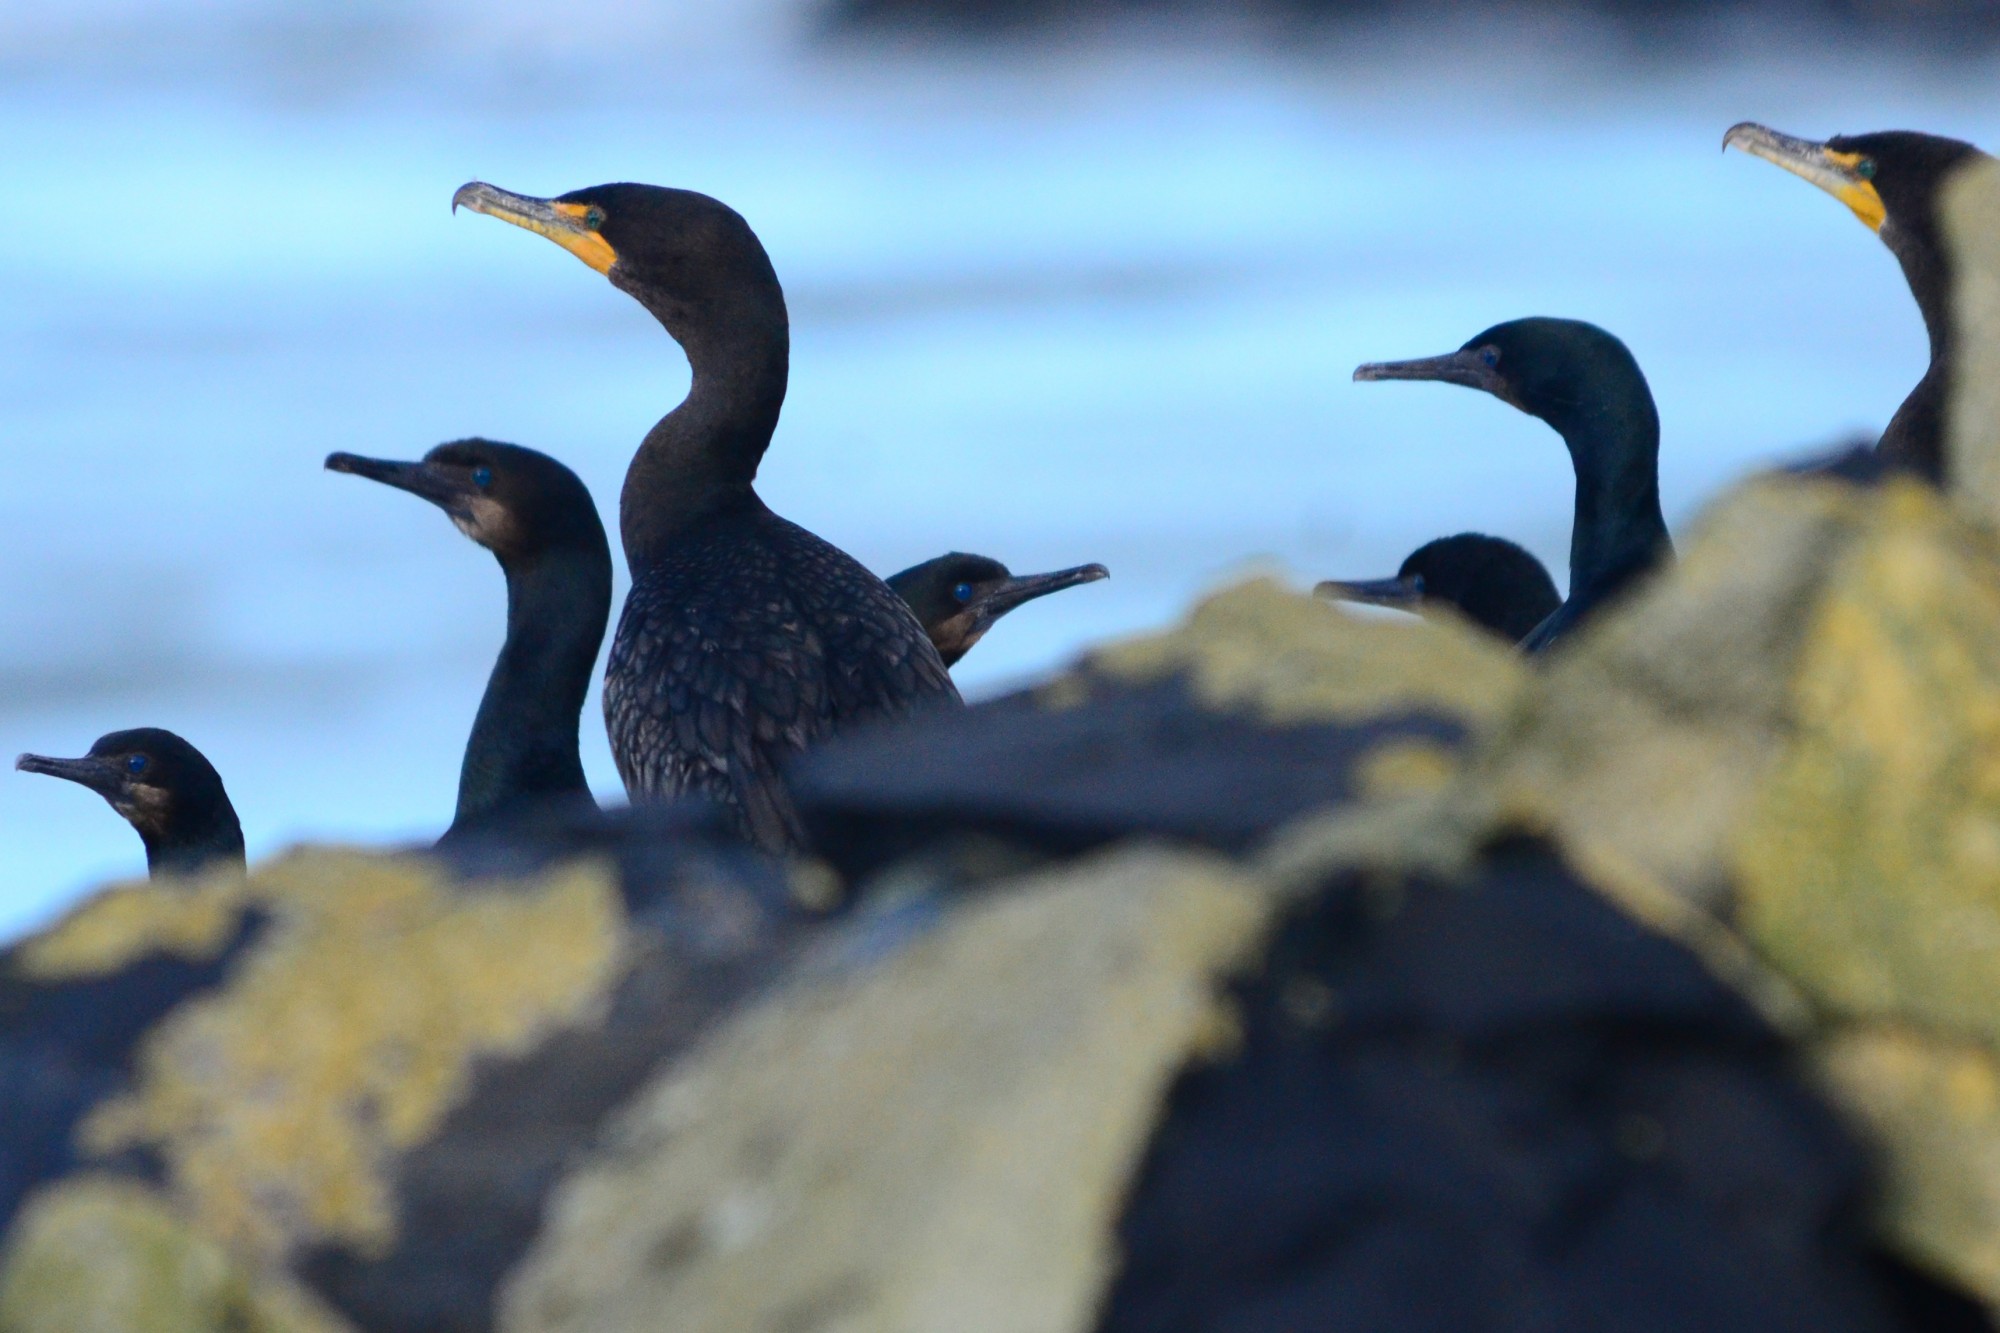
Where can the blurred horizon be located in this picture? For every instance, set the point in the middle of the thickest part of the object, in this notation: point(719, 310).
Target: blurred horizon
point(1088, 295)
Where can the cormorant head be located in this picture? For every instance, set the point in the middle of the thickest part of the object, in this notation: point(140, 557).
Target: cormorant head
point(957, 597)
point(1557, 369)
point(681, 253)
point(1889, 179)
point(1489, 580)
point(164, 787)
point(518, 503)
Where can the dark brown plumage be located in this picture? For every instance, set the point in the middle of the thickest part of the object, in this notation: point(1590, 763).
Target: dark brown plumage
point(745, 639)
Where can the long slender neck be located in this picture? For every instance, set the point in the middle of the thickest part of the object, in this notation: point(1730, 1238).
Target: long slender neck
point(1914, 439)
point(705, 452)
point(208, 837)
point(1614, 446)
point(523, 746)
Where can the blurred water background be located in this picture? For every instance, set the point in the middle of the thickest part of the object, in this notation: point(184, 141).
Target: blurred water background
point(1082, 292)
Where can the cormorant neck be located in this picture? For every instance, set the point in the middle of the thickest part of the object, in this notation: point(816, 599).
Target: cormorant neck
point(1618, 529)
point(705, 452)
point(196, 843)
point(523, 747)
point(1914, 438)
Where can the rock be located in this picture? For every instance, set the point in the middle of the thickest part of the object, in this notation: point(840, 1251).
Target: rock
point(1495, 1104)
point(1264, 707)
point(1210, 985)
point(1970, 202)
point(938, 1142)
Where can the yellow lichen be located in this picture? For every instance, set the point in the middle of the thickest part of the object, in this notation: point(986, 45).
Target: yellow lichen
point(1644, 739)
point(1295, 659)
point(347, 1033)
point(97, 1254)
point(193, 920)
point(1932, 1108)
point(1867, 867)
point(1405, 768)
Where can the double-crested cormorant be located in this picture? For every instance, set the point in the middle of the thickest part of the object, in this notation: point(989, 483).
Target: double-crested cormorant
point(166, 790)
point(537, 518)
point(957, 597)
point(1488, 580)
point(1585, 384)
point(745, 638)
point(1891, 180)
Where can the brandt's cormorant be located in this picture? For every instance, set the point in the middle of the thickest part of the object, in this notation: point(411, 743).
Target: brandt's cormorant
point(957, 597)
point(1891, 181)
point(537, 518)
point(166, 790)
point(1585, 384)
point(745, 638)
point(1488, 580)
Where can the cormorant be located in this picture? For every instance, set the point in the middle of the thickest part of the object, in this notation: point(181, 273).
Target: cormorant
point(165, 789)
point(537, 518)
point(1891, 181)
point(1488, 580)
point(745, 638)
point(957, 597)
point(1585, 384)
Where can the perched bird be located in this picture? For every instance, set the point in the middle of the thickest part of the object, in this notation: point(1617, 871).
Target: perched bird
point(1488, 580)
point(1585, 384)
point(957, 597)
point(1891, 181)
point(537, 518)
point(745, 638)
point(165, 789)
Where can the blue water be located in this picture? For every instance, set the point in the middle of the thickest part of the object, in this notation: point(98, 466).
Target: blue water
point(1092, 301)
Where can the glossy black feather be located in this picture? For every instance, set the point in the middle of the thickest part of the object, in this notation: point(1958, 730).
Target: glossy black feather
point(748, 642)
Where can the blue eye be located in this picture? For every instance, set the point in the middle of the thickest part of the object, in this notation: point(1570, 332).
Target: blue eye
point(1490, 356)
point(593, 217)
point(482, 477)
point(1865, 168)
point(135, 764)
point(963, 592)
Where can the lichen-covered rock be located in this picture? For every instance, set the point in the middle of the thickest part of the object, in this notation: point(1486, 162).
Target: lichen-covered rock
point(1933, 1106)
point(939, 1142)
point(1002, 1059)
point(1294, 659)
point(1867, 863)
point(1970, 203)
point(1646, 737)
point(278, 1102)
point(1263, 707)
point(100, 1254)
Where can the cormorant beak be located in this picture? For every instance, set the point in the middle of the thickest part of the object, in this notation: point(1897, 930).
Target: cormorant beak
point(1403, 592)
point(447, 492)
point(1839, 174)
point(1467, 366)
point(100, 775)
point(1022, 588)
point(568, 225)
